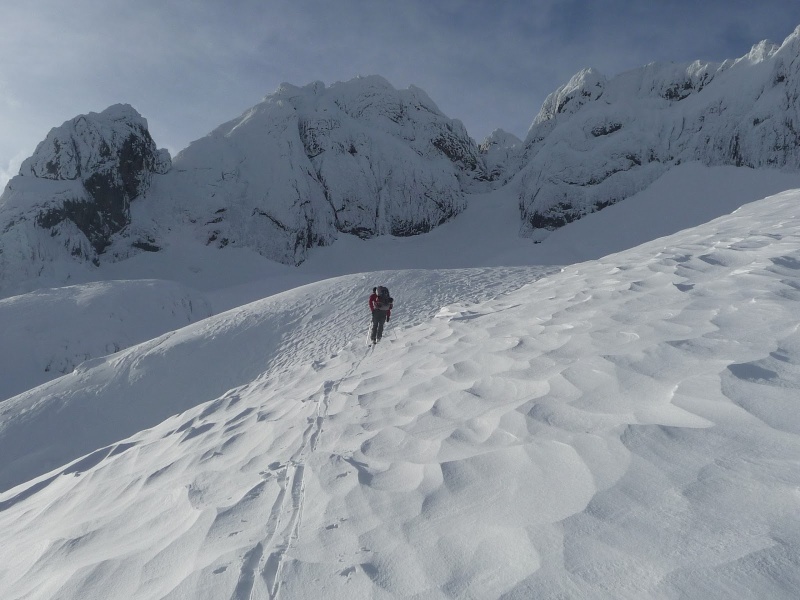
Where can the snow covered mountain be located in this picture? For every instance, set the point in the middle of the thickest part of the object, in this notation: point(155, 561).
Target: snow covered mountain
point(623, 425)
point(311, 164)
point(74, 194)
point(502, 155)
point(290, 174)
point(622, 428)
point(597, 141)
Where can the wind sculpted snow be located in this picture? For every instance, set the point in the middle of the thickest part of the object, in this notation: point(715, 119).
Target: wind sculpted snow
point(112, 397)
point(621, 428)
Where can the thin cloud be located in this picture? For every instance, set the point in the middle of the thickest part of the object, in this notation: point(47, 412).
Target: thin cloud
point(188, 66)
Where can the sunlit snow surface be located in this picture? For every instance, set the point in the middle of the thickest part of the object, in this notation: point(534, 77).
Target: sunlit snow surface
point(621, 428)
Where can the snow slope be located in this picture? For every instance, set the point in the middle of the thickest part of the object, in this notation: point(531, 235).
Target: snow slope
point(47, 333)
point(45, 338)
point(621, 428)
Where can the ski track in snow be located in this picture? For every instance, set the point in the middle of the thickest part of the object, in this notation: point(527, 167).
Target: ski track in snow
point(623, 428)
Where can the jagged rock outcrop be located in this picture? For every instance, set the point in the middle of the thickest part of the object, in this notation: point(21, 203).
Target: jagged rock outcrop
point(74, 194)
point(309, 163)
point(597, 141)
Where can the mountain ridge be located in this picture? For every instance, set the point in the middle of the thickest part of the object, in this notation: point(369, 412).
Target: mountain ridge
point(310, 164)
point(597, 141)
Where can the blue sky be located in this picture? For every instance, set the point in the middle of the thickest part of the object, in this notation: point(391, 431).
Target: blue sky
point(190, 65)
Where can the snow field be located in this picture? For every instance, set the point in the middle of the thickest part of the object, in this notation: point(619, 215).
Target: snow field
point(624, 428)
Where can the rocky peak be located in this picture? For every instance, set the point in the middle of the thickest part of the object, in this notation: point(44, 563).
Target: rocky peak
point(115, 138)
point(112, 155)
point(585, 86)
point(73, 195)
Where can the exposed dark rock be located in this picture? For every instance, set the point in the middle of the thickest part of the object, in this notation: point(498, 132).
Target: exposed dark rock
point(606, 129)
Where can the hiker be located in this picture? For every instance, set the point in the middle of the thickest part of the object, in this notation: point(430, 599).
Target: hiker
point(380, 305)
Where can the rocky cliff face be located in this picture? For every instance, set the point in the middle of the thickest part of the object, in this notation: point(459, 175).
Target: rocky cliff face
point(597, 141)
point(74, 194)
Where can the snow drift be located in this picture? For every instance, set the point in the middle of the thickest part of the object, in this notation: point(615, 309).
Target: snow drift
point(49, 332)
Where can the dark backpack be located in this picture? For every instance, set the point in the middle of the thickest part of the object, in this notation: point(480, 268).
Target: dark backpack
point(384, 300)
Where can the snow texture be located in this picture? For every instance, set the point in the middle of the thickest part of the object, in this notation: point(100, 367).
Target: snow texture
point(625, 427)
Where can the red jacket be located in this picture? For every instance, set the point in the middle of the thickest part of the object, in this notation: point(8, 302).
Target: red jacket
point(373, 303)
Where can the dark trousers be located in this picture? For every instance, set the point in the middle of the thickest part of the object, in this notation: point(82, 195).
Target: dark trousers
point(378, 319)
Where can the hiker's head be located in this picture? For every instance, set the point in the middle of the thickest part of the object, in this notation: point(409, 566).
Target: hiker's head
point(374, 290)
